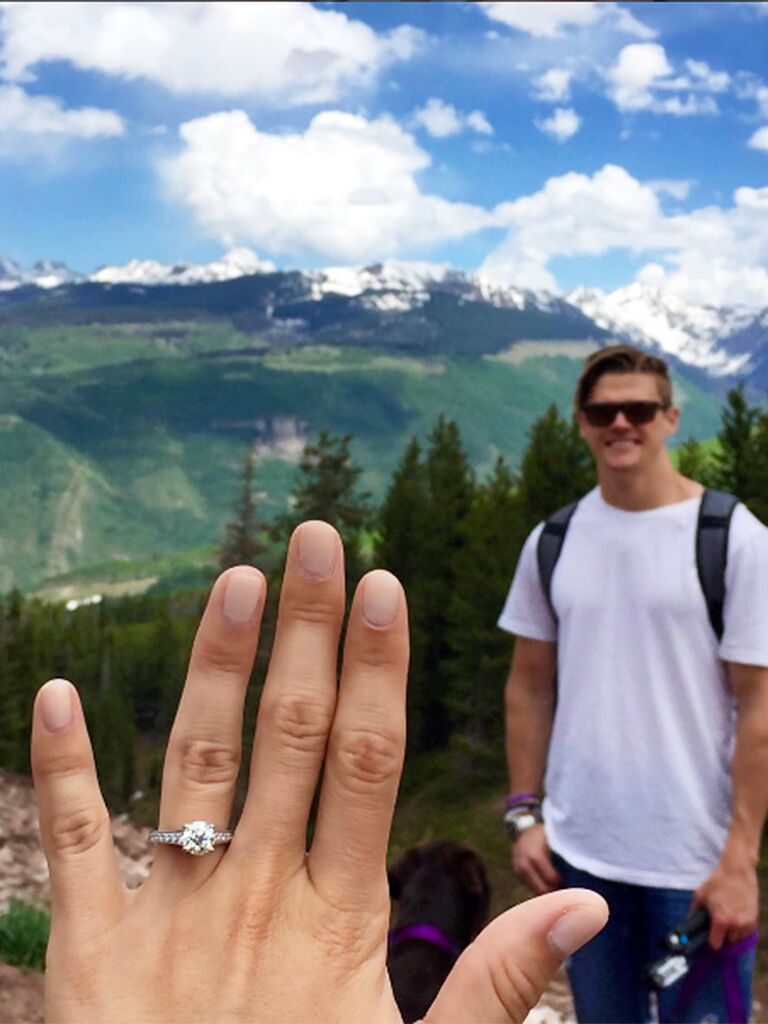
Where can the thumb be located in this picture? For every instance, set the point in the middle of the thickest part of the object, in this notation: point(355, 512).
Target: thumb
point(501, 976)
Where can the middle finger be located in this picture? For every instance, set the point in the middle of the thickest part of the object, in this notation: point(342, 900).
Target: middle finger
point(298, 701)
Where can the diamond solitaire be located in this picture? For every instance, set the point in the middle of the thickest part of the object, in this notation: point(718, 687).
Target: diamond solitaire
point(196, 838)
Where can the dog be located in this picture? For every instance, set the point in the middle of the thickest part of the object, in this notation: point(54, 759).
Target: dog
point(443, 898)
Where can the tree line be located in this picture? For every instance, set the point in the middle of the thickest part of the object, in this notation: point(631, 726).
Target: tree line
point(451, 536)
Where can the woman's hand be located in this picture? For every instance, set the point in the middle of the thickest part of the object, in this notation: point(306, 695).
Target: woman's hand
point(261, 929)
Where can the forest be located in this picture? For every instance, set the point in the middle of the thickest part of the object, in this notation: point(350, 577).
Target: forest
point(451, 538)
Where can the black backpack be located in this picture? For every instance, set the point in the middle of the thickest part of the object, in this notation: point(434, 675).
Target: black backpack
point(711, 550)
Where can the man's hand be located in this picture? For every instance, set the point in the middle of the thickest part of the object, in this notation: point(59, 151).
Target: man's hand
point(731, 896)
point(532, 861)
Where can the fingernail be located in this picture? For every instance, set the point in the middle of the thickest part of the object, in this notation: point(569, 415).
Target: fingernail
point(381, 597)
point(572, 930)
point(242, 595)
point(317, 548)
point(56, 704)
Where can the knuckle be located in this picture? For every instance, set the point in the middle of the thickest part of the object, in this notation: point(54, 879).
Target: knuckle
point(368, 759)
point(375, 655)
point(76, 832)
point(64, 764)
point(300, 721)
point(204, 762)
point(318, 610)
point(222, 656)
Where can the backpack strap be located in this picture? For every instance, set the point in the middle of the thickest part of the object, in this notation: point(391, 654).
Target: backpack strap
point(712, 529)
point(550, 545)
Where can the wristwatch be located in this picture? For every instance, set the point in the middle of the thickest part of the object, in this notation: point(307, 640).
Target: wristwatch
point(520, 819)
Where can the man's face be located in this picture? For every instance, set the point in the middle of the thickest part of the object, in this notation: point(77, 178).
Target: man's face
point(622, 447)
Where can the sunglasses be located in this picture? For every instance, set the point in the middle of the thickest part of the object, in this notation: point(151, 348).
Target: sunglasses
point(602, 414)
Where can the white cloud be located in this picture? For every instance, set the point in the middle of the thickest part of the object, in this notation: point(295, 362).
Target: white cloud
point(710, 255)
point(549, 19)
point(678, 188)
point(345, 189)
point(479, 123)
point(704, 77)
point(759, 140)
point(562, 125)
point(643, 71)
point(554, 86)
point(43, 116)
point(440, 119)
point(288, 53)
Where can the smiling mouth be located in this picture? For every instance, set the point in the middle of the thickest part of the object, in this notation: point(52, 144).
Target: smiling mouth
point(622, 442)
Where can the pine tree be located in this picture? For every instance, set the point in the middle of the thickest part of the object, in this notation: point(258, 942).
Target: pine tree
point(327, 488)
point(733, 459)
point(694, 462)
point(557, 468)
point(450, 489)
point(493, 535)
point(758, 468)
point(403, 521)
point(241, 544)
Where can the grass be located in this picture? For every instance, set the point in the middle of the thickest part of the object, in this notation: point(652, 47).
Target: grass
point(24, 935)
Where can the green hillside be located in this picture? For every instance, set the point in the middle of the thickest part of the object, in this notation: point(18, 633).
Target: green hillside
point(123, 441)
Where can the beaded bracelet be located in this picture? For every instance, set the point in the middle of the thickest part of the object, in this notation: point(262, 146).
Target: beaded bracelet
point(517, 799)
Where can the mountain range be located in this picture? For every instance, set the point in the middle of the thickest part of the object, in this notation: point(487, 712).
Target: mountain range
point(129, 397)
point(725, 342)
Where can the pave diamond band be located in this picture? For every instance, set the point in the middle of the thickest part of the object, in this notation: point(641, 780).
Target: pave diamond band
point(197, 837)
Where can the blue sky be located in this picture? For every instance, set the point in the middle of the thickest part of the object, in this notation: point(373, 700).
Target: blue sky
point(544, 144)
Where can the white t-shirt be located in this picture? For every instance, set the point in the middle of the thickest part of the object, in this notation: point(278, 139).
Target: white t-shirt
point(638, 785)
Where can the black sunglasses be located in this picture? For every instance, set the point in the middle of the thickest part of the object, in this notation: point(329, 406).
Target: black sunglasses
point(602, 414)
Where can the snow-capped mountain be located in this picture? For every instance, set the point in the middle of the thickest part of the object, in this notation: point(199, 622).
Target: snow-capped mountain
point(698, 335)
point(44, 274)
point(398, 285)
point(723, 341)
point(239, 262)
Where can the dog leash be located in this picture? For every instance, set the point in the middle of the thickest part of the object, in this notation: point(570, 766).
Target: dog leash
point(707, 960)
point(426, 933)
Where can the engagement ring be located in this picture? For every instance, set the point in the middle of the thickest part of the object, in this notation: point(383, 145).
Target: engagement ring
point(197, 837)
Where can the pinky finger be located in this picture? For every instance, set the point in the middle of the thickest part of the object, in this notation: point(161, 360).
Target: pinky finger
point(86, 890)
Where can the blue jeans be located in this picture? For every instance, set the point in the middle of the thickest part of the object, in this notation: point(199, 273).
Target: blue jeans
point(608, 974)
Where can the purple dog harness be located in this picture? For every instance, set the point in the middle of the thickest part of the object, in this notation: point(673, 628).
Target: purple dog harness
point(425, 933)
point(706, 961)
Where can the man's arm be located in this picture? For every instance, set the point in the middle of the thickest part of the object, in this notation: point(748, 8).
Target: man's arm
point(529, 700)
point(731, 892)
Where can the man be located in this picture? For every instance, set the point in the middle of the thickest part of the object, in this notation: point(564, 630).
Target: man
point(649, 736)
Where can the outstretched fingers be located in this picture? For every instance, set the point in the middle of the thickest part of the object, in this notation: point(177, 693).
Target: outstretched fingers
point(86, 890)
point(502, 975)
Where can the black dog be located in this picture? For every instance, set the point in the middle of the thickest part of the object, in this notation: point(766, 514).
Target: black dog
point(444, 896)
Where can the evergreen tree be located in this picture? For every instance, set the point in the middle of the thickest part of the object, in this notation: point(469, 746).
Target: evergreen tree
point(557, 468)
point(241, 544)
point(733, 459)
point(758, 468)
point(493, 535)
point(693, 462)
point(403, 522)
point(327, 488)
point(449, 490)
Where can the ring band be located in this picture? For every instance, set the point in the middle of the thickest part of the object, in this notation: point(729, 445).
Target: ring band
point(197, 837)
